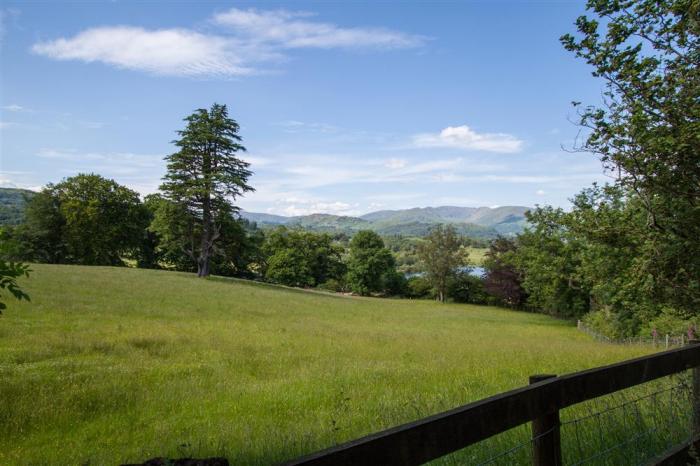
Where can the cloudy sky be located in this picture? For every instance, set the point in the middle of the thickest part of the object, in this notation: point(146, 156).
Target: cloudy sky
point(345, 108)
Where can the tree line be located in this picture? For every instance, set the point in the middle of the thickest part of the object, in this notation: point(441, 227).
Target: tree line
point(91, 220)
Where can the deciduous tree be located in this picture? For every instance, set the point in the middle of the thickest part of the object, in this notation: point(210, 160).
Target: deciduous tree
point(442, 255)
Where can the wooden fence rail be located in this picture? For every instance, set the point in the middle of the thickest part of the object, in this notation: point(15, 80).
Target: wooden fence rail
point(438, 435)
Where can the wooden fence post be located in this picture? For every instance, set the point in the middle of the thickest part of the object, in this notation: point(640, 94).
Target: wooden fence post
point(546, 445)
point(667, 341)
point(695, 428)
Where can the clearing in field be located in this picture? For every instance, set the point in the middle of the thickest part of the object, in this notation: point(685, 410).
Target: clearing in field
point(110, 365)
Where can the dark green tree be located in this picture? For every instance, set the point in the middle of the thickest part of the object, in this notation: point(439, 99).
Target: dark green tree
point(503, 279)
point(104, 221)
point(442, 255)
point(302, 258)
point(84, 219)
point(550, 258)
point(368, 263)
point(204, 177)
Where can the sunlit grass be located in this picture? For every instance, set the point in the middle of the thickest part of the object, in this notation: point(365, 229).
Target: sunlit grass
point(477, 255)
point(109, 365)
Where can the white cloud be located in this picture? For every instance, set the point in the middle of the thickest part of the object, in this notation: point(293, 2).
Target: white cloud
point(540, 192)
point(13, 108)
point(295, 126)
point(172, 52)
point(314, 207)
point(245, 39)
point(463, 137)
point(289, 29)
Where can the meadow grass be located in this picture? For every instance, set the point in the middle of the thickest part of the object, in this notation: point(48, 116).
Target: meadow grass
point(110, 365)
point(477, 255)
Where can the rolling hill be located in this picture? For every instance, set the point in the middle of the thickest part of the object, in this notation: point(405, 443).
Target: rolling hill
point(477, 222)
point(12, 203)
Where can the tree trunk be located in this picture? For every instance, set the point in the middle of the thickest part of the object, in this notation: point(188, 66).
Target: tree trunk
point(203, 266)
point(203, 261)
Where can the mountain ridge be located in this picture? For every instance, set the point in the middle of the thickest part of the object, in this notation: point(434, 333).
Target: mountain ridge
point(480, 222)
point(476, 222)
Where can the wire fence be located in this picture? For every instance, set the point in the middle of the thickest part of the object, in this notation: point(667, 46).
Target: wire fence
point(626, 428)
point(660, 341)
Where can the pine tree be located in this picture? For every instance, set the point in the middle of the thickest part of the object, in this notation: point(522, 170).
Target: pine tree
point(205, 177)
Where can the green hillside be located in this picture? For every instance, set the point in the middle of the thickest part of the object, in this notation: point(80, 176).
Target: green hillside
point(111, 365)
point(12, 203)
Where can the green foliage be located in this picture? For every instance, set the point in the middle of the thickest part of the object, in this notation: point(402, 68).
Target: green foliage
point(332, 284)
point(441, 255)
point(301, 258)
point(503, 280)
point(395, 283)
point(203, 178)
point(419, 288)
point(648, 135)
point(670, 322)
point(172, 231)
point(549, 256)
point(9, 273)
point(85, 219)
point(368, 263)
point(466, 288)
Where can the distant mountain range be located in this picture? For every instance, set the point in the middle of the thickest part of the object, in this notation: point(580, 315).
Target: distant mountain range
point(476, 222)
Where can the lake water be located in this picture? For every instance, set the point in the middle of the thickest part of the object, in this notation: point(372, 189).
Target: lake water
point(473, 271)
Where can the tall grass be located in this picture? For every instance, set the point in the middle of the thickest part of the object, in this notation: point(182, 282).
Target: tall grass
point(110, 365)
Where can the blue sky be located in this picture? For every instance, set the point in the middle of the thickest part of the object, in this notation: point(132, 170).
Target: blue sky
point(345, 107)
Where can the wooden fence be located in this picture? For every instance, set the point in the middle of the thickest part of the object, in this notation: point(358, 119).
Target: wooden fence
point(438, 435)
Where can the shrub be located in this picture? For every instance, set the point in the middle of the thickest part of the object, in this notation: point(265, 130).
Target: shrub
point(419, 287)
point(466, 288)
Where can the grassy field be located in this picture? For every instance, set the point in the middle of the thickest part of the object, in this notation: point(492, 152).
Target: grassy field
point(477, 255)
point(110, 365)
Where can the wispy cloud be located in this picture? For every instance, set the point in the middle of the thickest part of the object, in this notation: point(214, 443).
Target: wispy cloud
point(13, 108)
point(293, 29)
point(463, 137)
point(173, 52)
point(245, 39)
point(295, 126)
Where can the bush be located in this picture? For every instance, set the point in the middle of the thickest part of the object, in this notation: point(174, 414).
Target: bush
point(604, 322)
point(466, 288)
point(419, 288)
point(395, 283)
point(333, 285)
point(671, 322)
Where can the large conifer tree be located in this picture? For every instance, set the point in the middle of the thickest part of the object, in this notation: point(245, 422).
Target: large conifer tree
point(205, 176)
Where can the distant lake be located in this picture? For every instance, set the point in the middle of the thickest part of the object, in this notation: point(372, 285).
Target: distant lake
point(473, 271)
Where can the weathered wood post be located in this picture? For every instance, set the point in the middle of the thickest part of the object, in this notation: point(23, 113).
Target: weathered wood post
point(667, 341)
point(546, 446)
point(695, 427)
